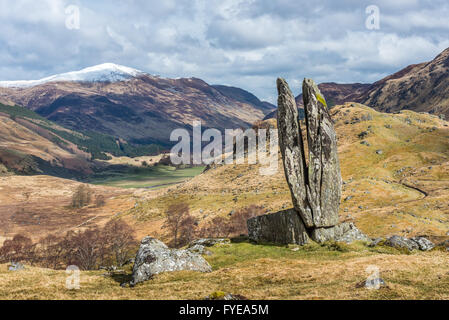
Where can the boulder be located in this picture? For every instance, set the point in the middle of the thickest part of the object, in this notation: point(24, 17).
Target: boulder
point(324, 177)
point(401, 242)
point(424, 244)
point(284, 227)
point(155, 257)
point(344, 232)
point(375, 242)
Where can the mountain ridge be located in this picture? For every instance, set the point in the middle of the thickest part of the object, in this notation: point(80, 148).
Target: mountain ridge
point(141, 109)
point(421, 87)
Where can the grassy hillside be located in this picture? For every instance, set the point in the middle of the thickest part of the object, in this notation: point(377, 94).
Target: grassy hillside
point(396, 181)
point(97, 144)
point(329, 271)
point(395, 169)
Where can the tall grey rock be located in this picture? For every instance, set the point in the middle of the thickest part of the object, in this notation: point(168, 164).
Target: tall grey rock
point(324, 176)
point(316, 188)
point(292, 149)
point(315, 185)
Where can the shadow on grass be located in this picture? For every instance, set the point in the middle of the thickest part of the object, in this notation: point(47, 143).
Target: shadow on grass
point(121, 277)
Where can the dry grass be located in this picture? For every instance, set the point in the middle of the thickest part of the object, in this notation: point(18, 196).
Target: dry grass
point(39, 205)
point(415, 152)
point(257, 272)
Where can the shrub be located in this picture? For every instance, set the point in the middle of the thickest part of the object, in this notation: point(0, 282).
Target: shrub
point(100, 201)
point(120, 240)
point(87, 249)
point(220, 227)
point(82, 196)
point(180, 224)
point(20, 248)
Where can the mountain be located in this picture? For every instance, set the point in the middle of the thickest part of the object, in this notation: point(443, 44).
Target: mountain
point(31, 144)
point(420, 87)
point(336, 94)
point(132, 105)
point(106, 72)
point(245, 97)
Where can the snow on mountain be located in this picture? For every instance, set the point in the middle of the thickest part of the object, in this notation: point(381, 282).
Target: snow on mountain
point(106, 72)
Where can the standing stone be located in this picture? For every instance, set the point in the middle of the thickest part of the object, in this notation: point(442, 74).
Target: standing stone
point(292, 149)
point(284, 227)
point(315, 186)
point(324, 177)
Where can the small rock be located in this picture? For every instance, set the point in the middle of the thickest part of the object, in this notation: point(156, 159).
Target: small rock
point(363, 135)
point(417, 243)
point(376, 284)
point(219, 295)
point(423, 243)
point(16, 266)
point(375, 242)
point(379, 152)
point(209, 242)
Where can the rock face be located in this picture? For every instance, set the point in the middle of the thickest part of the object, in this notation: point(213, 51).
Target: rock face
point(345, 232)
point(316, 189)
point(417, 243)
point(284, 227)
point(324, 176)
point(155, 257)
point(315, 185)
point(292, 149)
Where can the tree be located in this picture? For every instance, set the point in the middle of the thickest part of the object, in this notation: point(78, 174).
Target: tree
point(82, 196)
point(100, 201)
point(180, 223)
point(118, 236)
point(51, 251)
point(238, 221)
point(20, 248)
point(221, 227)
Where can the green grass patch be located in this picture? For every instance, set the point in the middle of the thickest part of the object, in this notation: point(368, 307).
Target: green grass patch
point(151, 178)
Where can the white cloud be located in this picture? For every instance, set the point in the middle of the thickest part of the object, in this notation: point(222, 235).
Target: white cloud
point(244, 43)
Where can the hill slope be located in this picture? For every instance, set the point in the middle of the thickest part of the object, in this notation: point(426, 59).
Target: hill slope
point(132, 105)
point(31, 144)
point(395, 168)
point(423, 88)
point(420, 87)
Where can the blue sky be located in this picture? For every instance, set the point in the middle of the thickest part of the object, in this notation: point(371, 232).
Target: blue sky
point(244, 43)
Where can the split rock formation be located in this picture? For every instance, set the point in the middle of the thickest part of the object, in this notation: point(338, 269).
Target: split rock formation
point(315, 185)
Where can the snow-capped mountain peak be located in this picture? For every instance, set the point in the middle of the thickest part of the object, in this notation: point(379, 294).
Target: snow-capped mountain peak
point(106, 72)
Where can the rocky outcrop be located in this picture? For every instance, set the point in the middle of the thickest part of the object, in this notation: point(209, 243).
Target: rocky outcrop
point(417, 243)
point(344, 232)
point(315, 186)
point(155, 257)
point(284, 227)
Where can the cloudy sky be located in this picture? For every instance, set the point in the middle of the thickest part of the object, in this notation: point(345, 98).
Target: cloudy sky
point(244, 43)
